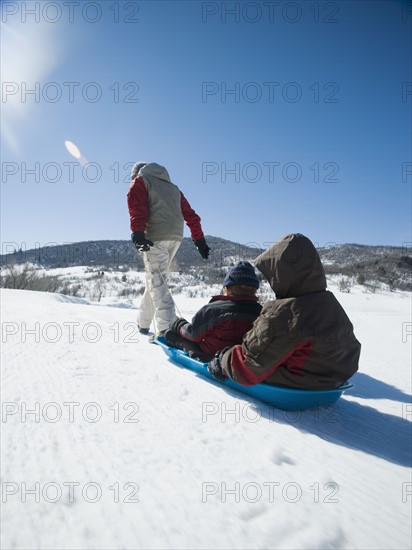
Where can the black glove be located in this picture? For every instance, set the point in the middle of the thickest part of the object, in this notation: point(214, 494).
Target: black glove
point(172, 339)
point(140, 241)
point(202, 357)
point(215, 369)
point(202, 248)
point(176, 323)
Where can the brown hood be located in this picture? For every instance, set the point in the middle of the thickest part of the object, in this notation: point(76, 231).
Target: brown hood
point(292, 266)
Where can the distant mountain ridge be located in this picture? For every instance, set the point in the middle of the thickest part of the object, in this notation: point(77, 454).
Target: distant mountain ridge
point(121, 253)
point(390, 265)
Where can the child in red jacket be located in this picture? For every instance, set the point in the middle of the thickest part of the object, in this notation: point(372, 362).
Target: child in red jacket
point(223, 321)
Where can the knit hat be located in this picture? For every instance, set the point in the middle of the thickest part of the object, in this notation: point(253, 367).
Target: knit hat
point(241, 274)
point(136, 169)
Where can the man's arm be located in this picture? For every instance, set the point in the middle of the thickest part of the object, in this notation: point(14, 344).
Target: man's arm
point(137, 202)
point(191, 218)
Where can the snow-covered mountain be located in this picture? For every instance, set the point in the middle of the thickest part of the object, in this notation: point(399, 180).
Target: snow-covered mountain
point(113, 254)
point(374, 267)
point(107, 444)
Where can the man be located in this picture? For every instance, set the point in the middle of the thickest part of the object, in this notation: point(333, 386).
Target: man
point(158, 210)
point(303, 339)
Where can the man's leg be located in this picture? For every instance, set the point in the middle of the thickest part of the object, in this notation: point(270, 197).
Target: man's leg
point(157, 262)
point(146, 312)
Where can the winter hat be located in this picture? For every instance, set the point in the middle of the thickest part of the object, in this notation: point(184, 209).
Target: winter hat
point(136, 169)
point(242, 274)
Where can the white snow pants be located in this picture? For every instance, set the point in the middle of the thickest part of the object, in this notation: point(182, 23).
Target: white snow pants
point(157, 303)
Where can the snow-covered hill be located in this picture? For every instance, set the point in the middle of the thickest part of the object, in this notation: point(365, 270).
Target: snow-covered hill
point(107, 444)
point(372, 266)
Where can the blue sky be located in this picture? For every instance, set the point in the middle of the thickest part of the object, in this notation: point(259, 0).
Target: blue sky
point(272, 117)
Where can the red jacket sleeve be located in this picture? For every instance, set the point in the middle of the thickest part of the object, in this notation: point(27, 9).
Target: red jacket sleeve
point(191, 218)
point(137, 201)
point(234, 364)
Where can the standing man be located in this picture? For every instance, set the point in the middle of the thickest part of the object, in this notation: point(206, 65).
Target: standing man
point(157, 211)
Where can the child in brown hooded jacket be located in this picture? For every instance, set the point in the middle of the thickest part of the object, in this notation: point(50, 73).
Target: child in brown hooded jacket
point(303, 339)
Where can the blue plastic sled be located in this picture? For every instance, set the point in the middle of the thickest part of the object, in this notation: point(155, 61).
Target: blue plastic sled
point(288, 399)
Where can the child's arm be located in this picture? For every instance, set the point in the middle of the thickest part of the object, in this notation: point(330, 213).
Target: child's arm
point(264, 349)
point(197, 329)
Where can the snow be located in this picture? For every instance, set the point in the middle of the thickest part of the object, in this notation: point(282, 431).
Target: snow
point(107, 444)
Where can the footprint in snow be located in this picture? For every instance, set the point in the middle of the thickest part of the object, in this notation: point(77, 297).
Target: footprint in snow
point(250, 511)
point(280, 457)
point(184, 394)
